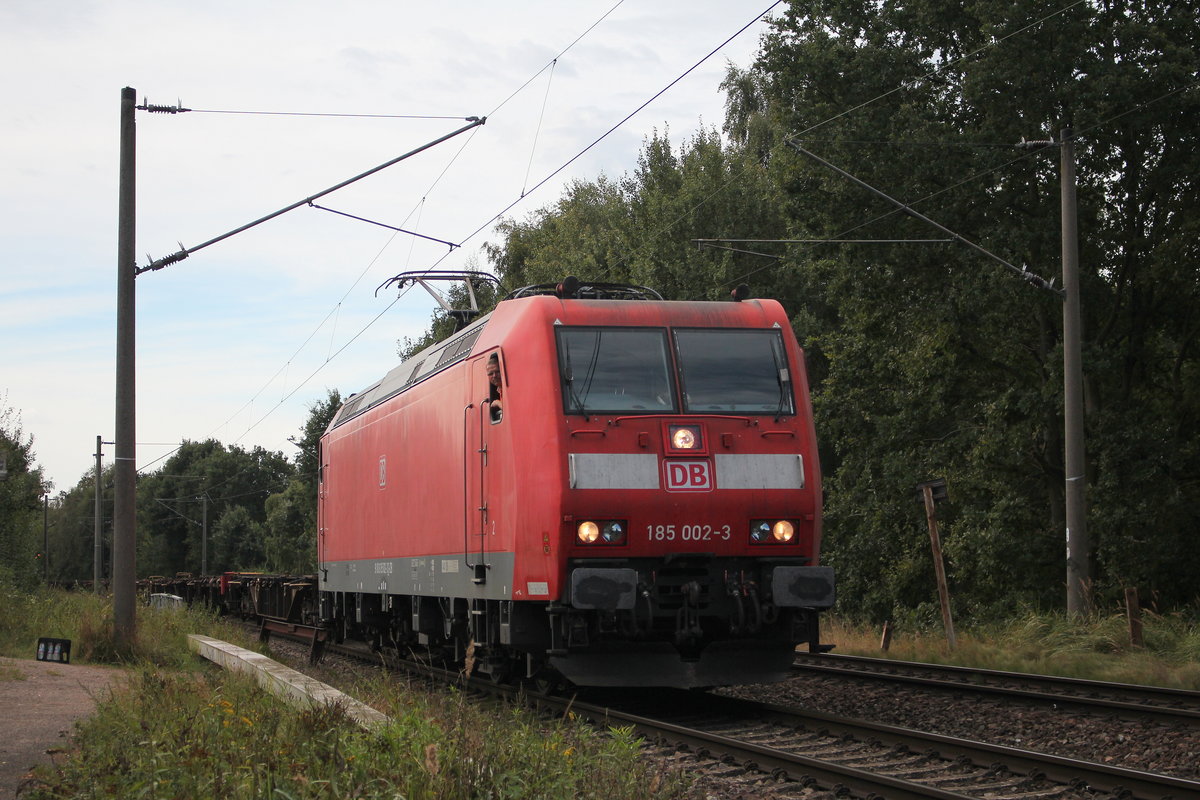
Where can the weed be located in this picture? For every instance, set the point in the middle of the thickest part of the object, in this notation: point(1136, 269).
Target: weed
point(172, 733)
point(87, 620)
point(10, 673)
point(1095, 647)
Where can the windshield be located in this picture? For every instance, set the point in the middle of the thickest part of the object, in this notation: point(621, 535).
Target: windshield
point(615, 369)
point(734, 371)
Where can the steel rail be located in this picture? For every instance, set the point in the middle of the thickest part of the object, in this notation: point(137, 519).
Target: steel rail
point(1059, 769)
point(1140, 701)
point(761, 758)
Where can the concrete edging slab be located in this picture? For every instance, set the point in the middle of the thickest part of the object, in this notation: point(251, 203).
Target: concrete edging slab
point(296, 687)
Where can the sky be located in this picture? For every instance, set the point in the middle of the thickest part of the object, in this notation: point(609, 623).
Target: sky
point(240, 339)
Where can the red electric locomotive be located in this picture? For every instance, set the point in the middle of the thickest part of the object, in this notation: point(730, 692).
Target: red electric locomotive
point(588, 483)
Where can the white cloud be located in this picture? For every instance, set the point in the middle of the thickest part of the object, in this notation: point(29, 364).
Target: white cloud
point(214, 328)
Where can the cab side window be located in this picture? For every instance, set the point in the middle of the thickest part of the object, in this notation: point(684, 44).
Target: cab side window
point(495, 389)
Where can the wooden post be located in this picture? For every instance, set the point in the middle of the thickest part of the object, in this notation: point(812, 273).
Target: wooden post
point(1133, 610)
point(938, 567)
point(885, 641)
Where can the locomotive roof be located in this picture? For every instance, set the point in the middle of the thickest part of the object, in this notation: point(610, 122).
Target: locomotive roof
point(437, 357)
point(413, 369)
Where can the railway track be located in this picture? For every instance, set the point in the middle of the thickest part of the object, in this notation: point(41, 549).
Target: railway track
point(810, 754)
point(1126, 700)
point(871, 759)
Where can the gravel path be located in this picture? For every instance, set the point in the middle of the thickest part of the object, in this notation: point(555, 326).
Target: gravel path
point(39, 703)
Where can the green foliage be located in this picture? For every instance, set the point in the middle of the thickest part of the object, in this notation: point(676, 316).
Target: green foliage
point(87, 618)
point(260, 510)
point(236, 542)
point(20, 505)
point(320, 414)
point(72, 532)
point(1096, 648)
point(207, 484)
point(929, 360)
point(641, 229)
point(219, 735)
point(291, 530)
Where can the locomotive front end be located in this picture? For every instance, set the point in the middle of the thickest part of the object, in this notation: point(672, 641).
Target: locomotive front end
point(691, 517)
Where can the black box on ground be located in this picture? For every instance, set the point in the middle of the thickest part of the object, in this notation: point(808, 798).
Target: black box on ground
point(54, 650)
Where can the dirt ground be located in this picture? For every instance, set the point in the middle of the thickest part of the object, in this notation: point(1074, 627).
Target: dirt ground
point(39, 702)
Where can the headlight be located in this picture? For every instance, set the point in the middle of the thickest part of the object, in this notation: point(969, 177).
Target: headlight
point(783, 531)
point(764, 531)
point(613, 532)
point(588, 532)
point(685, 437)
point(603, 532)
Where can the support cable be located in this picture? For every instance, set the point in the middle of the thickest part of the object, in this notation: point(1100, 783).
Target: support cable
point(184, 252)
point(553, 61)
point(451, 245)
point(473, 122)
point(1025, 274)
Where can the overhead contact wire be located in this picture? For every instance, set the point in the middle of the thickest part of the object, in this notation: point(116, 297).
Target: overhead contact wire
point(470, 137)
point(864, 104)
point(625, 119)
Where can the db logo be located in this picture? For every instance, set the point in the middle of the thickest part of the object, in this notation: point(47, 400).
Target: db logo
point(688, 476)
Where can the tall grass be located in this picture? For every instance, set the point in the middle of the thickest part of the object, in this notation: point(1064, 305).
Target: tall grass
point(1096, 647)
point(179, 729)
point(87, 620)
point(174, 735)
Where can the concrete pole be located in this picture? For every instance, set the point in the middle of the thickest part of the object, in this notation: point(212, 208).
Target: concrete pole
point(204, 537)
point(124, 574)
point(46, 538)
point(1079, 544)
point(98, 544)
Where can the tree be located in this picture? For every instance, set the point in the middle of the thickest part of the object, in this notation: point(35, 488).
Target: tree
point(937, 364)
point(642, 228)
point(928, 360)
point(290, 526)
point(238, 542)
point(21, 490)
point(207, 476)
point(320, 414)
point(291, 530)
point(73, 529)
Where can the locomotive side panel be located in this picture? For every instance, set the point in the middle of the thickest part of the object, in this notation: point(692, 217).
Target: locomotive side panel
point(395, 499)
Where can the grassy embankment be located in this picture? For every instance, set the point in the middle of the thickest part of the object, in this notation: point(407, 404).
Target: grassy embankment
point(1097, 648)
point(183, 729)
